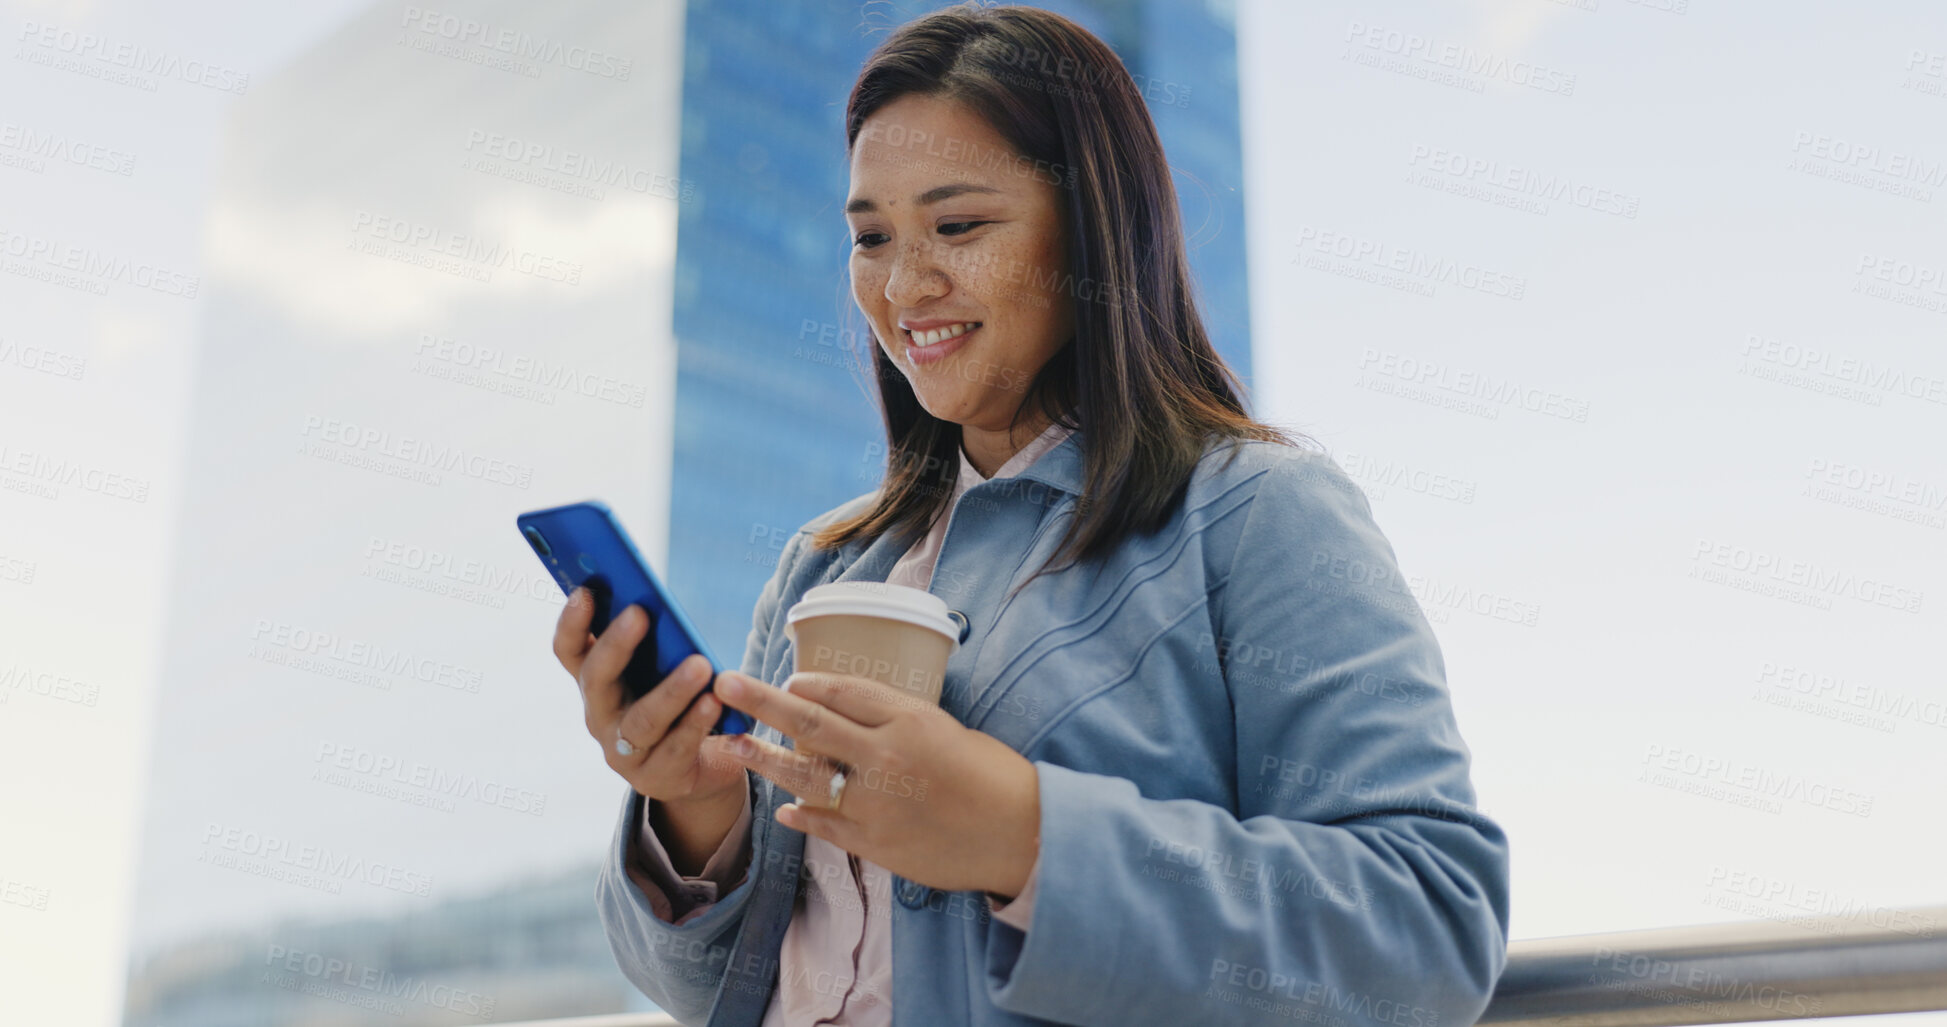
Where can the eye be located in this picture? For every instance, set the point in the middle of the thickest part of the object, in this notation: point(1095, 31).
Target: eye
point(963, 226)
point(868, 240)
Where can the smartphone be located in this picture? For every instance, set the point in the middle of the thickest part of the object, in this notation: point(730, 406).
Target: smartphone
point(583, 544)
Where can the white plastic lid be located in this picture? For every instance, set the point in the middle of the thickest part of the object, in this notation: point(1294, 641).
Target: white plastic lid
point(874, 599)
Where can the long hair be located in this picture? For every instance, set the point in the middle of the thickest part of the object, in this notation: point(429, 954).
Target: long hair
point(1139, 378)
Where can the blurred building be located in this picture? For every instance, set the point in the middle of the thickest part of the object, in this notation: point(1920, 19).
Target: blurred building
point(528, 951)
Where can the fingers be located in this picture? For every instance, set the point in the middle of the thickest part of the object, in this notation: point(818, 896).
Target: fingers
point(656, 718)
point(806, 776)
point(601, 669)
point(646, 719)
point(863, 700)
point(571, 637)
point(814, 727)
point(819, 822)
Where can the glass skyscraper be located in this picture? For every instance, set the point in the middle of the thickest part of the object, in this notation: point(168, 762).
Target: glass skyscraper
point(773, 423)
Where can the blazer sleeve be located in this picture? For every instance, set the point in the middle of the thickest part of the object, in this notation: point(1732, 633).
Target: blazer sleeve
point(681, 966)
point(1351, 882)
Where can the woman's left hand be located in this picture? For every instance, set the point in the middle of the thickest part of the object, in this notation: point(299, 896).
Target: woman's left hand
point(926, 797)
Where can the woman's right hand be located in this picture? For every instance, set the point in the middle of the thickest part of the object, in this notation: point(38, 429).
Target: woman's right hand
point(673, 759)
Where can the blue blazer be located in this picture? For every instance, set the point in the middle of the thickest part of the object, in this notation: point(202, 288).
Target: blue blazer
point(1255, 804)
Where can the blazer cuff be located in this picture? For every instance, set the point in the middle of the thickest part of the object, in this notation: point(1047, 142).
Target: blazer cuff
point(677, 899)
point(1020, 912)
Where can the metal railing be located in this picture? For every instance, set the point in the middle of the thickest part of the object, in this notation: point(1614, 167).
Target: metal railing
point(616, 1020)
point(1885, 961)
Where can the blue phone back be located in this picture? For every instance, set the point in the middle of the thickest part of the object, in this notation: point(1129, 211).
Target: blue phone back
point(583, 544)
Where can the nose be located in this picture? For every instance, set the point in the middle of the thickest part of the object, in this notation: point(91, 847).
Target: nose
point(915, 277)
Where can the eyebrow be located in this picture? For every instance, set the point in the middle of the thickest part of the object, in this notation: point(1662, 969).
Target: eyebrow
point(930, 196)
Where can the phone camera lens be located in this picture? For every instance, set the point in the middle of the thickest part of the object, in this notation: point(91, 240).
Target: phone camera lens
point(540, 544)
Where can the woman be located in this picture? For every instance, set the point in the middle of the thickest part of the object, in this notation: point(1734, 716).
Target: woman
point(1194, 761)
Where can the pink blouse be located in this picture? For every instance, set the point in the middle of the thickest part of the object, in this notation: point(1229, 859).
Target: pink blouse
point(835, 966)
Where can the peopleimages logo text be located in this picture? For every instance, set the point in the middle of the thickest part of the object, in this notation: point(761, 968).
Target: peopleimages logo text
point(350, 973)
point(517, 43)
point(272, 851)
point(132, 57)
point(378, 441)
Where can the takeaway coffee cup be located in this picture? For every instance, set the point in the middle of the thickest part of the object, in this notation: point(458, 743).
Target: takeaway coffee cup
point(898, 636)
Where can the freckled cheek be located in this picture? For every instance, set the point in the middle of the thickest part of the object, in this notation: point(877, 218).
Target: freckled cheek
point(993, 278)
point(868, 289)
point(862, 279)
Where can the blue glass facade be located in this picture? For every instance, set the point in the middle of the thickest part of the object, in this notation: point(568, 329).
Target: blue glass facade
point(773, 424)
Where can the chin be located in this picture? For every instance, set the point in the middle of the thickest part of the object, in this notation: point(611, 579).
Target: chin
point(946, 408)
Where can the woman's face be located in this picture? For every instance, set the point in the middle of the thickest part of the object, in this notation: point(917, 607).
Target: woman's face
point(959, 257)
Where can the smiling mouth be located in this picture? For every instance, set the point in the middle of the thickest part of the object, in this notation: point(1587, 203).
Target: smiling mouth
point(935, 336)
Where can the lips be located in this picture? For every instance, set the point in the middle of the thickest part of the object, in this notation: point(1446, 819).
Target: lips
point(929, 342)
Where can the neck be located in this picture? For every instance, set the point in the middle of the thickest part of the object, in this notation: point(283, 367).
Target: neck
point(988, 450)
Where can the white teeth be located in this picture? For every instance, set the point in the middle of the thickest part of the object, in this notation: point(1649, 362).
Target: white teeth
point(928, 338)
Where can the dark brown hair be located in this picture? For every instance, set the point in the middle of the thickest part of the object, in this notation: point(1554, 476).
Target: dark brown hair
point(1139, 378)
